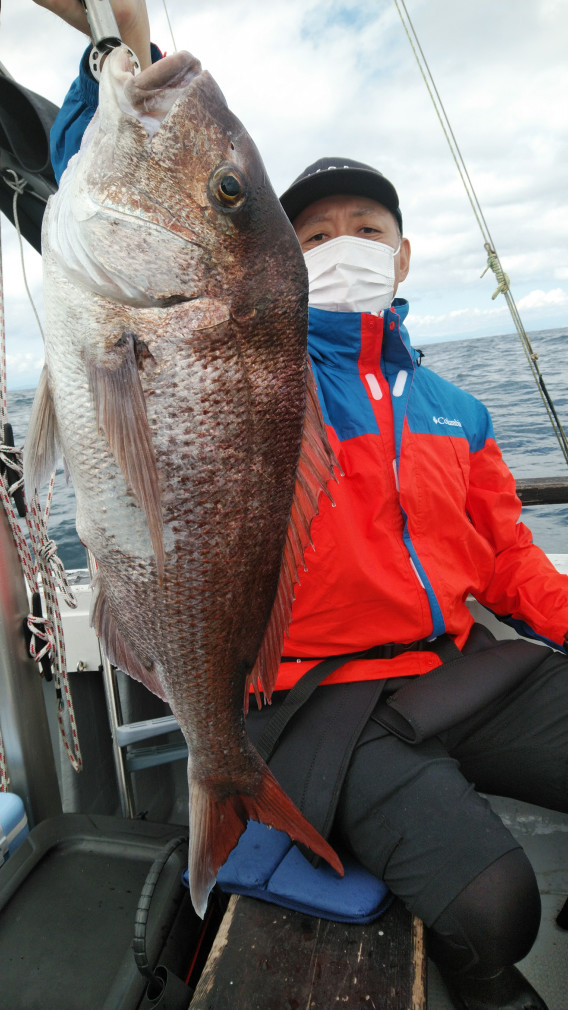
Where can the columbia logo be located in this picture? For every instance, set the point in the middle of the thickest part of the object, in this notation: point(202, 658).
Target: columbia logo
point(446, 420)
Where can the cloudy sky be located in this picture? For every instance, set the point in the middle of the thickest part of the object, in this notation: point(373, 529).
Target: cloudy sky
point(338, 77)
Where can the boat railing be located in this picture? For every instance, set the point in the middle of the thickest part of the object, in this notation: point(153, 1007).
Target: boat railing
point(543, 490)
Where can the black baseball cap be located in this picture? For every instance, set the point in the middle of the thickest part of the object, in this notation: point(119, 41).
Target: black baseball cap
point(330, 176)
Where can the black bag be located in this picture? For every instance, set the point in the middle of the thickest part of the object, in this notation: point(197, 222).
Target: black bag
point(25, 123)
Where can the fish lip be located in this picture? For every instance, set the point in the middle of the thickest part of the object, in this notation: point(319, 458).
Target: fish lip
point(151, 95)
point(175, 71)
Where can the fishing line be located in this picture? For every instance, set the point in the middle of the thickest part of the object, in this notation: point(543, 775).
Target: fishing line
point(19, 185)
point(169, 24)
point(493, 261)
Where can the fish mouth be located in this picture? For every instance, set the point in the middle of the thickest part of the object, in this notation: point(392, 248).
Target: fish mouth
point(150, 95)
point(175, 71)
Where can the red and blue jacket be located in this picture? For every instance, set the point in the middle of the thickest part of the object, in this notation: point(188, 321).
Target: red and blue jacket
point(426, 513)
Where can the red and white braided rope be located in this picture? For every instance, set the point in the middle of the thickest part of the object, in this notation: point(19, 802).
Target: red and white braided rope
point(4, 780)
point(47, 568)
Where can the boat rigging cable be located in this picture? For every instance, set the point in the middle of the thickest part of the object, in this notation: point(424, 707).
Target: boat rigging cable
point(44, 633)
point(493, 261)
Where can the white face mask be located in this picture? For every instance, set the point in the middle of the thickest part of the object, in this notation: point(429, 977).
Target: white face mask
point(350, 274)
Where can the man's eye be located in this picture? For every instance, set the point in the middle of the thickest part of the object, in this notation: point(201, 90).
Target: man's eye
point(317, 238)
point(367, 230)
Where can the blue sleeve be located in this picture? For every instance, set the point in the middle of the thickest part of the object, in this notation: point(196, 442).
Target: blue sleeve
point(79, 107)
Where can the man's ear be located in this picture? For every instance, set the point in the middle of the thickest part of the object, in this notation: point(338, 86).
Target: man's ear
point(404, 260)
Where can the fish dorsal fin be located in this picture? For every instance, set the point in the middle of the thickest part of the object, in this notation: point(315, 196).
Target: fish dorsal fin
point(42, 442)
point(315, 469)
point(121, 413)
point(118, 650)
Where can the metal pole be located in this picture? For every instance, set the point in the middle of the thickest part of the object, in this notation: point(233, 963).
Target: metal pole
point(115, 719)
point(23, 719)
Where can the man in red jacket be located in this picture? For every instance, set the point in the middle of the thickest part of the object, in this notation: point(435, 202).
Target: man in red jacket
point(425, 514)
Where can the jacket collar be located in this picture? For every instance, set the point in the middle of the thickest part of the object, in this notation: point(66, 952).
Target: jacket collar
point(334, 338)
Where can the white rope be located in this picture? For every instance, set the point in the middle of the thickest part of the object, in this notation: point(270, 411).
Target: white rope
point(493, 261)
point(47, 569)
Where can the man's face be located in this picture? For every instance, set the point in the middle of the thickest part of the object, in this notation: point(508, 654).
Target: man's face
point(352, 215)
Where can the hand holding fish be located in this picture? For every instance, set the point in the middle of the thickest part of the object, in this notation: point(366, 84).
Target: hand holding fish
point(131, 17)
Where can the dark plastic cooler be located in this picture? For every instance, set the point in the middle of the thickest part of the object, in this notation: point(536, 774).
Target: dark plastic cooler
point(68, 899)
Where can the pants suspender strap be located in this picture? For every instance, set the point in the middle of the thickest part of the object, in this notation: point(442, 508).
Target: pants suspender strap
point(444, 646)
point(309, 746)
point(297, 697)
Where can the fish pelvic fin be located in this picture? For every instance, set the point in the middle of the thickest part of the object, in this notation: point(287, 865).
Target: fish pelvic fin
point(216, 824)
point(121, 413)
point(118, 650)
point(41, 449)
point(316, 468)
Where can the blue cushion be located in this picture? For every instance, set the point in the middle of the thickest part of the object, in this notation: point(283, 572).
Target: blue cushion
point(13, 824)
point(267, 865)
point(252, 862)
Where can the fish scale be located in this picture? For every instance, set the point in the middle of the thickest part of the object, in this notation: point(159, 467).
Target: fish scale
point(178, 388)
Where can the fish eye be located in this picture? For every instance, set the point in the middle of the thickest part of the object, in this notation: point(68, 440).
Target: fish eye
point(227, 188)
point(230, 187)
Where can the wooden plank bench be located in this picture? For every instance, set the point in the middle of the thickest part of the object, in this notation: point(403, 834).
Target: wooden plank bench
point(268, 958)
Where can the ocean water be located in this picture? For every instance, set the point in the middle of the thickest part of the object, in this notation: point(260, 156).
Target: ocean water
point(494, 369)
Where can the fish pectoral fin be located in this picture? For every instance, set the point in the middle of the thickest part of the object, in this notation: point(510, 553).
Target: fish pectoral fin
point(216, 824)
point(118, 650)
point(41, 448)
point(121, 413)
point(315, 469)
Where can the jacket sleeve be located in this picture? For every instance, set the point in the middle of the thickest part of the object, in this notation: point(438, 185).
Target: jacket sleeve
point(79, 107)
point(525, 588)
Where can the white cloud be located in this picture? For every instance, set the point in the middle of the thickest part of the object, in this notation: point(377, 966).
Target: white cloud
point(544, 299)
point(460, 322)
point(24, 364)
point(14, 277)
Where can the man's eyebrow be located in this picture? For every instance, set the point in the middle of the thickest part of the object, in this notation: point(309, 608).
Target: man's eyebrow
point(315, 219)
point(356, 212)
point(364, 211)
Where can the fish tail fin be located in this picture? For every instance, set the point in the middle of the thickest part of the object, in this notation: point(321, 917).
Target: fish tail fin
point(216, 824)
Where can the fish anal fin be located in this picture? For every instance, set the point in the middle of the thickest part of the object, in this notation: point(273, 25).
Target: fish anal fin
point(42, 443)
point(118, 650)
point(315, 470)
point(216, 824)
point(121, 413)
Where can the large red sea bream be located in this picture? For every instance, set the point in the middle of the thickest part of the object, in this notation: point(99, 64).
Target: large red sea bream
point(178, 389)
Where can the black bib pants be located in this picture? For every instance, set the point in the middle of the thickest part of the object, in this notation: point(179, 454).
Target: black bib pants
point(413, 814)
